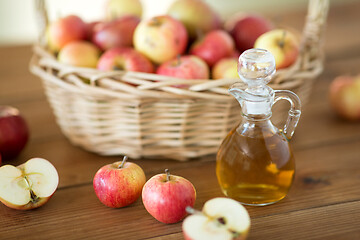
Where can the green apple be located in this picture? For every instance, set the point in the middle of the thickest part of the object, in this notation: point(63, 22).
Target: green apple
point(118, 8)
point(160, 38)
point(282, 44)
point(197, 16)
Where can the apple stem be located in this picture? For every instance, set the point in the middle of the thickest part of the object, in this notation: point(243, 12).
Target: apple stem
point(282, 41)
point(155, 22)
point(167, 175)
point(123, 162)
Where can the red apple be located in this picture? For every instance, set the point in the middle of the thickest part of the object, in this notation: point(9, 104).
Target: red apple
point(246, 28)
point(0, 159)
point(119, 8)
point(119, 184)
point(29, 185)
point(282, 44)
point(225, 68)
point(166, 196)
point(187, 67)
point(344, 96)
point(117, 33)
point(220, 218)
point(160, 38)
point(91, 28)
point(14, 132)
point(80, 54)
point(126, 59)
point(214, 46)
point(64, 31)
point(197, 16)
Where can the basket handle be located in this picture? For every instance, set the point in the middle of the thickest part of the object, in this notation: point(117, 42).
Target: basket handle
point(42, 20)
point(313, 31)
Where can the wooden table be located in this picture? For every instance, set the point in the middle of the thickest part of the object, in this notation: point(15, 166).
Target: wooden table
point(324, 202)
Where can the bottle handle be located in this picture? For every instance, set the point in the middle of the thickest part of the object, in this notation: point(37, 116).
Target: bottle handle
point(294, 112)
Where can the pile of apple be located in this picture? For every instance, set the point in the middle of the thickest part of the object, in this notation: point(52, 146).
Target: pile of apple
point(190, 41)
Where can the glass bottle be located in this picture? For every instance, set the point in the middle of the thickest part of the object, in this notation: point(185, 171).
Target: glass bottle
point(255, 164)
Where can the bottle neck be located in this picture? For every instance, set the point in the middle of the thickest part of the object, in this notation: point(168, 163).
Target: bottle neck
point(256, 125)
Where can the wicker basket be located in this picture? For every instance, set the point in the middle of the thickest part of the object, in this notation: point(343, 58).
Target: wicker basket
point(102, 113)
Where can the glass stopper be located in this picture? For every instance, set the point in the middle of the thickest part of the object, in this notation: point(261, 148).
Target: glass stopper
point(256, 67)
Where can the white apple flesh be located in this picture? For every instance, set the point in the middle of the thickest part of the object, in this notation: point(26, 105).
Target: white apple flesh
point(220, 219)
point(29, 185)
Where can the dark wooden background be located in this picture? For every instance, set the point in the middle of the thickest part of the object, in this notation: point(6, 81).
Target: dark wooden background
point(324, 202)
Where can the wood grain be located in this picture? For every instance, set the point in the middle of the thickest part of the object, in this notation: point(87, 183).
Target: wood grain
point(324, 202)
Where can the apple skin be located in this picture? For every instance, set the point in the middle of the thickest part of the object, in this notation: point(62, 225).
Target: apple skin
point(28, 206)
point(246, 28)
point(126, 59)
point(118, 187)
point(282, 44)
point(160, 38)
point(117, 33)
point(214, 46)
point(79, 54)
point(344, 94)
point(14, 132)
point(91, 28)
point(225, 68)
point(197, 16)
point(64, 31)
point(166, 200)
point(187, 67)
point(118, 8)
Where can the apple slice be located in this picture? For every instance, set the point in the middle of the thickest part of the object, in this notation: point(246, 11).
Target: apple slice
point(29, 185)
point(221, 218)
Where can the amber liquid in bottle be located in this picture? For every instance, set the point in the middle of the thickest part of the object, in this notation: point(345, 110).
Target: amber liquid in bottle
point(255, 164)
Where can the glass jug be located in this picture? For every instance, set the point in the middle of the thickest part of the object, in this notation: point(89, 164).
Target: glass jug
point(255, 164)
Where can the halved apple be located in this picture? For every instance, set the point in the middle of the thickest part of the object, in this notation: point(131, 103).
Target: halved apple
point(220, 219)
point(29, 185)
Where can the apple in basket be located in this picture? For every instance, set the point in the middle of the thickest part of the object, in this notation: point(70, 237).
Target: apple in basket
point(246, 28)
point(90, 29)
point(79, 54)
point(283, 45)
point(225, 68)
point(214, 46)
point(119, 184)
point(118, 8)
point(14, 132)
point(160, 38)
point(220, 219)
point(186, 67)
point(29, 185)
point(197, 16)
point(126, 59)
point(117, 33)
point(65, 30)
point(166, 197)
point(344, 96)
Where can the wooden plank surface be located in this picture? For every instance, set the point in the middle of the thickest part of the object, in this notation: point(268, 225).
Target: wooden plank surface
point(324, 202)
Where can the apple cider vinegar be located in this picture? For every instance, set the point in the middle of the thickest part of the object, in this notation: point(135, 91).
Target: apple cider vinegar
point(256, 170)
point(255, 164)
